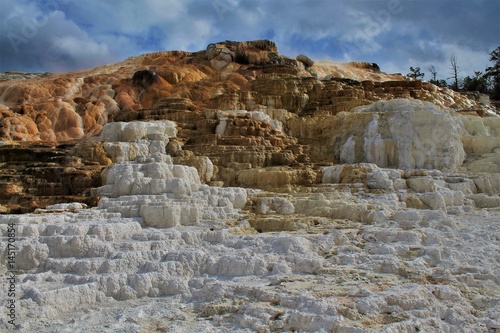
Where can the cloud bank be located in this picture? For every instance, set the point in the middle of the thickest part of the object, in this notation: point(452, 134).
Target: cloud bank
point(62, 35)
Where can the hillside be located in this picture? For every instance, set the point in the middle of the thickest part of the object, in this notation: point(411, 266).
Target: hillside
point(236, 189)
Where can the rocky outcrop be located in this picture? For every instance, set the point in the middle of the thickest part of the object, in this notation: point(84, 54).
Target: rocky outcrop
point(35, 176)
point(255, 52)
point(261, 110)
point(227, 76)
point(366, 240)
point(481, 141)
point(235, 189)
point(305, 60)
point(400, 134)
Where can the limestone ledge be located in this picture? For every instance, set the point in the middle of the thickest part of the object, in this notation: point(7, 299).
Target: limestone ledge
point(369, 249)
point(147, 184)
point(329, 272)
point(401, 133)
point(481, 141)
point(421, 189)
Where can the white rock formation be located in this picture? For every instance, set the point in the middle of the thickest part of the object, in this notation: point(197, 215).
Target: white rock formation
point(152, 187)
point(138, 130)
point(370, 250)
point(128, 141)
point(406, 133)
point(481, 142)
point(262, 116)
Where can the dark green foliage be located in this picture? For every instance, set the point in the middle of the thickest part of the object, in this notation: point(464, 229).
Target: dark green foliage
point(434, 80)
point(439, 83)
point(415, 73)
point(477, 83)
point(493, 73)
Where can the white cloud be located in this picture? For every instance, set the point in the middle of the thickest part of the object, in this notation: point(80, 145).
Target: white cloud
point(36, 39)
point(92, 32)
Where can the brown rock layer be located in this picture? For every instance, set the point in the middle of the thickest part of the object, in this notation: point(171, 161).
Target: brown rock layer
point(227, 76)
point(35, 176)
point(305, 99)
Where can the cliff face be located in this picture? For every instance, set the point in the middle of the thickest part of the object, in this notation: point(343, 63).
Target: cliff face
point(234, 189)
point(226, 76)
point(298, 113)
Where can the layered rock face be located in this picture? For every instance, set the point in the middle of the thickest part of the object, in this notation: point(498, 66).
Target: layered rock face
point(36, 175)
point(401, 134)
point(481, 143)
point(368, 249)
point(235, 189)
point(227, 76)
point(146, 183)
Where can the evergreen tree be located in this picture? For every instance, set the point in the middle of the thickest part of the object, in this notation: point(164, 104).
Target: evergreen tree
point(493, 73)
point(440, 83)
point(476, 83)
point(415, 73)
point(434, 80)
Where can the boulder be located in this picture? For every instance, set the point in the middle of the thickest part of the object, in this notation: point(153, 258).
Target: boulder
point(305, 60)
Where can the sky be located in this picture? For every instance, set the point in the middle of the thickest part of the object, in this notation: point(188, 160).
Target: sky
point(65, 35)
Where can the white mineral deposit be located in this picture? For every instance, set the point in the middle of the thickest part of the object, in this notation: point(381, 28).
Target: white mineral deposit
point(255, 213)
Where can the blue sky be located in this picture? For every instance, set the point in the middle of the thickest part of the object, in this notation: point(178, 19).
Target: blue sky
point(64, 35)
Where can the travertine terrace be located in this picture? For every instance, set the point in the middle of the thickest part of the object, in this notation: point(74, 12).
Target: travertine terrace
point(238, 190)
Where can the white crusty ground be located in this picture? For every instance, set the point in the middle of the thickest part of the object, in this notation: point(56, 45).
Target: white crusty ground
point(422, 272)
point(332, 258)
